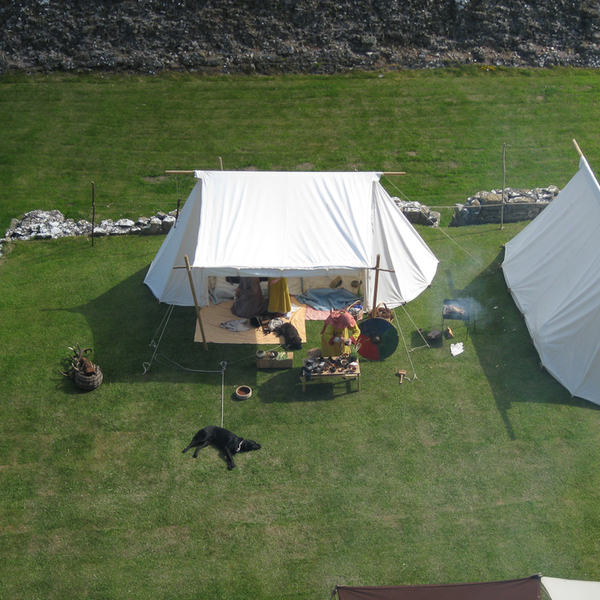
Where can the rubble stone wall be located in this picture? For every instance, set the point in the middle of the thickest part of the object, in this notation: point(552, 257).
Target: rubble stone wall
point(488, 207)
point(294, 36)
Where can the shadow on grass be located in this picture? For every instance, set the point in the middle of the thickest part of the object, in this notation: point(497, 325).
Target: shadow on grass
point(126, 320)
point(505, 350)
point(286, 387)
point(134, 339)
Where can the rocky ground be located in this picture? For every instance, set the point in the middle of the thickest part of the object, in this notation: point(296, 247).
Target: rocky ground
point(294, 36)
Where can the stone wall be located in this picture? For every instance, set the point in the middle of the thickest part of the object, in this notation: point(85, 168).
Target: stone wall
point(51, 224)
point(294, 36)
point(483, 207)
point(519, 205)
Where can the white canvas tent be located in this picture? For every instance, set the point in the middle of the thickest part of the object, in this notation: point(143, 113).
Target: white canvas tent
point(571, 589)
point(553, 273)
point(293, 224)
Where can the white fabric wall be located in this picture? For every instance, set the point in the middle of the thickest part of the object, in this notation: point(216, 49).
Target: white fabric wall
point(553, 273)
point(295, 225)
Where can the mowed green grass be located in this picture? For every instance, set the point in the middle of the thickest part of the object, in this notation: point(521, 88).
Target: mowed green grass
point(479, 467)
point(445, 129)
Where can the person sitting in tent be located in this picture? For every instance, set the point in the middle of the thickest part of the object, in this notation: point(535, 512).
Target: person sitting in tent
point(279, 296)
point(249, 300)
point(339, 332)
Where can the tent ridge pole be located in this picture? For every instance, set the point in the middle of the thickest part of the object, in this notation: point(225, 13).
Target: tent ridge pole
point(188, 172)
point(578, 148)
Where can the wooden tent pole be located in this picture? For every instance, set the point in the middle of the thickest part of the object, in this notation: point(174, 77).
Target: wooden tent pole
point(374, 309)
point(93, 211)
point(578, 149)
point(503, 184)
point(189, 272)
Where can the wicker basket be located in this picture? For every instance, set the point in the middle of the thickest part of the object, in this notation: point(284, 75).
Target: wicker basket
point(89, 382)
point(357, 314)
point(383, 312)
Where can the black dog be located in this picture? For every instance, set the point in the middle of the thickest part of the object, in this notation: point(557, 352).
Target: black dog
point(224, 440)
point(290, 335)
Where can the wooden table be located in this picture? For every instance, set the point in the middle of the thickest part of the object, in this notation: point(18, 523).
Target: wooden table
point(326, 375)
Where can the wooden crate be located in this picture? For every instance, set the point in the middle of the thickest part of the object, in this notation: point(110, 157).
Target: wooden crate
point(276, 363)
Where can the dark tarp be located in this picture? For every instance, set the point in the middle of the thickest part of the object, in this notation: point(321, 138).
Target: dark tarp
point(514, 589)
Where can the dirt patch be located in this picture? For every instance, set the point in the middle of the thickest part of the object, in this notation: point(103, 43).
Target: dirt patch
point(157, 179)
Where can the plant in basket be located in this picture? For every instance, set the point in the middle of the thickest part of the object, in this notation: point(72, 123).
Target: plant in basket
point(82, 370)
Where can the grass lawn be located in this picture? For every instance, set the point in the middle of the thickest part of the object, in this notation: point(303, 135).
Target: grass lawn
point(445, 129)
point(480, 467)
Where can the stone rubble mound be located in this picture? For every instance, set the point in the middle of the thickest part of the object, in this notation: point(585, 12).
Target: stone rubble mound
point(294, 36)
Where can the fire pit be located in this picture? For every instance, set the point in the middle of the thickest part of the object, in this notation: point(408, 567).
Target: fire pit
point(457, 310)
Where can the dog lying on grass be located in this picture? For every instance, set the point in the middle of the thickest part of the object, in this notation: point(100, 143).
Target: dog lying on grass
point(224, 440)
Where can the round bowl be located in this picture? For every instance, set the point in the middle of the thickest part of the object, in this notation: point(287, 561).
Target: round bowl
point(243, 392)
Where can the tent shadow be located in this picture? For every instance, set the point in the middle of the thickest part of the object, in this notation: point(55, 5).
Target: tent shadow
point(504, 348)
point(125, 320)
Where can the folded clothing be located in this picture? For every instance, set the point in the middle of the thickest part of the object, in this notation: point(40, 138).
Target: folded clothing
point(235, 325)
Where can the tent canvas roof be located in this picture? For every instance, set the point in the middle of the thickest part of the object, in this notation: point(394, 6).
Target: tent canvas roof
point(571, 589)
point(553, 273)
point(296, 224)
point(515, 589)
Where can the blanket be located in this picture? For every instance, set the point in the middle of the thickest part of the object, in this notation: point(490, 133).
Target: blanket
point(214, 315)
point(326, 299)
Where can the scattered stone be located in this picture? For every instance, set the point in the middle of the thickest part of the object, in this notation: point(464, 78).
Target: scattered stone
point(51, 224)
point(167, 223)
point(417, 213)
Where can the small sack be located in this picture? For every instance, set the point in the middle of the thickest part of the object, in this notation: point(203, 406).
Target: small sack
point(383, 312)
